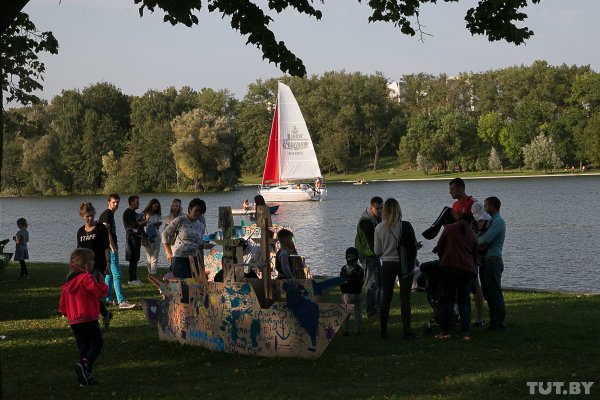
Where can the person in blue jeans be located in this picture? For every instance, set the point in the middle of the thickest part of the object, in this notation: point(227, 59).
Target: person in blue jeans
point(492, 266)
point(364, 243)
point(113, 280)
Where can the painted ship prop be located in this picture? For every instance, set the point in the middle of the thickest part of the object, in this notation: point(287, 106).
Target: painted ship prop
point(247, 315)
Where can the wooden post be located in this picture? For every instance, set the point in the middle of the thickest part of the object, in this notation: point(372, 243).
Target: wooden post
point(226, 225)
point(263, 221)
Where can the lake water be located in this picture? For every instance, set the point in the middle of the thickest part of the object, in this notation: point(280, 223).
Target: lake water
point(553, 229)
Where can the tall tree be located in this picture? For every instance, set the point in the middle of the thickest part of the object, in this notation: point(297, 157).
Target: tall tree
point(541, 153)
point(205, 149)
point(20, 68)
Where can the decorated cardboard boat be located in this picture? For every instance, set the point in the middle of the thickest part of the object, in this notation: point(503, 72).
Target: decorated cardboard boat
point(255, 316)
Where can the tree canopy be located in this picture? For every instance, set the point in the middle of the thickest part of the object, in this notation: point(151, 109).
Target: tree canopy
point(497, 20)
point(173, 139)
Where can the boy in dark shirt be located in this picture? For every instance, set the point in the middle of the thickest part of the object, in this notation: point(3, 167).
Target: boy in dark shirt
point(352, 289)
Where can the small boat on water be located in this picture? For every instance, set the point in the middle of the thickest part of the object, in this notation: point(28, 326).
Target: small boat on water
point(238, 211)
point(291, 155)
point(360, 182)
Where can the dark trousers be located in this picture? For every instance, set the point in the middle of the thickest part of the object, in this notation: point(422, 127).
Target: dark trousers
point(457, 288)
point(490, 274)
point(181, 267)
point(389, 272)
point(132, 254)
point(372, 285)
point(89, 341)
point(24, 273)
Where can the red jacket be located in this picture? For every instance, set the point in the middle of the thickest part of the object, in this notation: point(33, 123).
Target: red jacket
point(79, 299)
point(457, 249)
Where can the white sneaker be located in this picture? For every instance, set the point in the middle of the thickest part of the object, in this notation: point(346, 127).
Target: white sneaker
point(125, 305)
point(137, 282)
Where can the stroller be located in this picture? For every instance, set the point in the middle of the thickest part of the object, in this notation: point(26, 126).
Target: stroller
point(431, 275)
point(434, 289)
point(4, 257)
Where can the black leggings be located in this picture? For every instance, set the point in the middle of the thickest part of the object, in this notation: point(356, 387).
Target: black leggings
point(24, 273)
point(89, 341)
point(389, 271)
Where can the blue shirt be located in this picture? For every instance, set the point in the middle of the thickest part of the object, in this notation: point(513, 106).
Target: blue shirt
point(494, 236)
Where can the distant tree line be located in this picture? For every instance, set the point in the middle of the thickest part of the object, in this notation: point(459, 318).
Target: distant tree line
point(99, 139)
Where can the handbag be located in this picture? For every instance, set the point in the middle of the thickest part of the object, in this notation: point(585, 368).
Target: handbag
point(407, 249)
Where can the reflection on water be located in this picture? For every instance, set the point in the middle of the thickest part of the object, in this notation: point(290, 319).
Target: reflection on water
point(552, 224)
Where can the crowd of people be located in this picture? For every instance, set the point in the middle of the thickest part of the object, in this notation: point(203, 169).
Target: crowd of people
point(469, 251)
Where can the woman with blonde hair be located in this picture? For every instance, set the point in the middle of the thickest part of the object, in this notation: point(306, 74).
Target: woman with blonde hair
point(396, 245)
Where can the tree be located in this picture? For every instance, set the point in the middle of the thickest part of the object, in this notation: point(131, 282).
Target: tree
point(540, 153)
point(253, 124)
point(494, 163)
point(588, 141)
point(205, 149)
point(495, 19)
point(489, 127)
point(20, 68)
point(532, 118)
point(423, 164)
point(39, 157)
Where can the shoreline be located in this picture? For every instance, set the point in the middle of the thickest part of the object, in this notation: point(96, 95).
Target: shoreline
point(561, 175)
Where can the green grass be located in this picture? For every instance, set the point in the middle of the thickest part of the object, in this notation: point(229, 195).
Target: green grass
point(390, 168)
point(551, 337)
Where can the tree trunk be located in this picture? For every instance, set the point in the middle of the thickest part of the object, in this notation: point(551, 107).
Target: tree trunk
point(375, 159)
point(1, 116)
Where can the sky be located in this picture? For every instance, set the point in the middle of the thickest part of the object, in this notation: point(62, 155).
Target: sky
point(106, 40)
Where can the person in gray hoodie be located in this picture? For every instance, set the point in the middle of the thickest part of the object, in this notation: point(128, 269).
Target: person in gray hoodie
point(396, 244)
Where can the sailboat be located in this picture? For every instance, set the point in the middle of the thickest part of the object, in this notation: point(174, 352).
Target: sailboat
point(291, 156)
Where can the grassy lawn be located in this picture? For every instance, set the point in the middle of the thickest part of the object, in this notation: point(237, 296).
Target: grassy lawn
point(551, 337)
point(389, 168)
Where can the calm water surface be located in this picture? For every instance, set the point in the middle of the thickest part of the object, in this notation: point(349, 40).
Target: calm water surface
point(552, 234)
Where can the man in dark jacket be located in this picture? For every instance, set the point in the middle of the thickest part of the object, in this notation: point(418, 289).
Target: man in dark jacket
point(364, 243)
point(134, 224)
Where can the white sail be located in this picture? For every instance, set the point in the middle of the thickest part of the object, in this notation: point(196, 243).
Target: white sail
point(297, 158)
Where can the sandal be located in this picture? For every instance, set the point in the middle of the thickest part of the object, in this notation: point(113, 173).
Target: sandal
point(442, 336)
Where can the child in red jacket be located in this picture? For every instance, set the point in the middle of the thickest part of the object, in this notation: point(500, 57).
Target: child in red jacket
point(79, 302)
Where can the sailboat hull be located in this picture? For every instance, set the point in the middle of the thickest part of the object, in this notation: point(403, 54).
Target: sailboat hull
point(290, 193)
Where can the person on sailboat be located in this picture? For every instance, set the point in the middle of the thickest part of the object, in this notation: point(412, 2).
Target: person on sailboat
point(318, 183)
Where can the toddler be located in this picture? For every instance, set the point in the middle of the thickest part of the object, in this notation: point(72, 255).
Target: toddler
point(79, 302)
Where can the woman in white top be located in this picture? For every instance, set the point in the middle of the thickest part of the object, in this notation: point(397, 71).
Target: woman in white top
point(396, 245)
point(174, 212)
point(153, 215)
point(183, 240)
